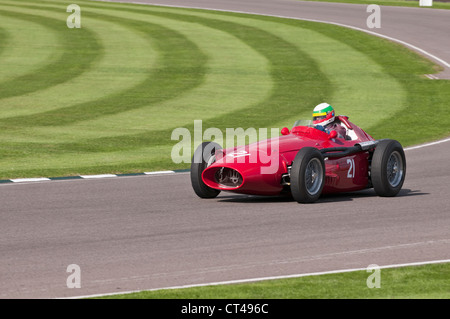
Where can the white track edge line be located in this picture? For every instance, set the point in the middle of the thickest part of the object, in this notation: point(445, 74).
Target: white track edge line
point(26, 180)
point(98, 176)
point(427, 144)
point(159, 172)
point(240, 281)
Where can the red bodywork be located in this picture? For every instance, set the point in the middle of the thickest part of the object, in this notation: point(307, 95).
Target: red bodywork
point(263, 166)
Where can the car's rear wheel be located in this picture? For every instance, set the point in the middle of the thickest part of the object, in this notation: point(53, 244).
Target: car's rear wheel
point(307, 175)
point(388, 168)
point(204, 156)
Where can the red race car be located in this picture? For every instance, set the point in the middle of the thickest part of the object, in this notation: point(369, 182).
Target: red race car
point(305, 162)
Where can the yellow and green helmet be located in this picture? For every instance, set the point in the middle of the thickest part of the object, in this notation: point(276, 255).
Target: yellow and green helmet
point(323, 114)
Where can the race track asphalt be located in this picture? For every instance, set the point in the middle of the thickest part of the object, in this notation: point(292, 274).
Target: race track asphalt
point(147, 232)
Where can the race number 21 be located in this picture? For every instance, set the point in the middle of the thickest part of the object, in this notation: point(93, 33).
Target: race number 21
point(351, 169)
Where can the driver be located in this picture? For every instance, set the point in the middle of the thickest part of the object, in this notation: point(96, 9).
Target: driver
point(324, 119)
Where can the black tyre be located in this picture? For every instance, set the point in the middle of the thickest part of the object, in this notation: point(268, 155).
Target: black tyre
point(307, 175)
point(388, 168)
point(203, 157)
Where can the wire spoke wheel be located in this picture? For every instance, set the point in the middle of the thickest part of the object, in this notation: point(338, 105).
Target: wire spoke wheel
point(388, 168)
point(313, 176)
point(394, 169)
point(307, 175)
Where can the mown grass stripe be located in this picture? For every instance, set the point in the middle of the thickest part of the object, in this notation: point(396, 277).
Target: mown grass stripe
point(113, 73)
point(290, 69)
point(178, 71)
point(360, 83)
point(237, 76)
point(196, 16)
point(4, 40)
point(73, 60)
point(20, 53)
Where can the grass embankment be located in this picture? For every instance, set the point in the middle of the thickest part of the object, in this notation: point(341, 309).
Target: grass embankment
point(105, 98)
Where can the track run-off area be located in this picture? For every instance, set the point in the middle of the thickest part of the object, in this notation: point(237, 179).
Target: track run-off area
point(105, 98)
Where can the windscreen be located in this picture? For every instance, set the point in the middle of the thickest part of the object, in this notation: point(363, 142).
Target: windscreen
point(308, 123)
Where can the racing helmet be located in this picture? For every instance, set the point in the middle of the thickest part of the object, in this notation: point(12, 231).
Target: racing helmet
point(323, 114)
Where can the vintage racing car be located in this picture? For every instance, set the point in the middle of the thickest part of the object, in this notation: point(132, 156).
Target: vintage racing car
point(305, 162)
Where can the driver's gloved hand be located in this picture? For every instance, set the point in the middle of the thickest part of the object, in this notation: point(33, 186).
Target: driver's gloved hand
point(321, 128)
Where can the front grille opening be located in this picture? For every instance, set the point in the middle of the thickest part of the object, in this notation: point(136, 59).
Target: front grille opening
point(228, 177)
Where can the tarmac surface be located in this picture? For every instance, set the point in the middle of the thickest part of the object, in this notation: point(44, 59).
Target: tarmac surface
point(147, 232)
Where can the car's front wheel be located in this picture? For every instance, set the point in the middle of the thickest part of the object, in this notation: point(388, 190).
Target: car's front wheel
point(203, 157)
point(307, 175)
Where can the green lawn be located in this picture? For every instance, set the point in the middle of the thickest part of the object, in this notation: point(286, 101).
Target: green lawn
point(105, 98)
point(414, 282)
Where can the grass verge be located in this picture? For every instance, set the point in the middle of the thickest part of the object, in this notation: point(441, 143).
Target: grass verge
point(413, 282)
